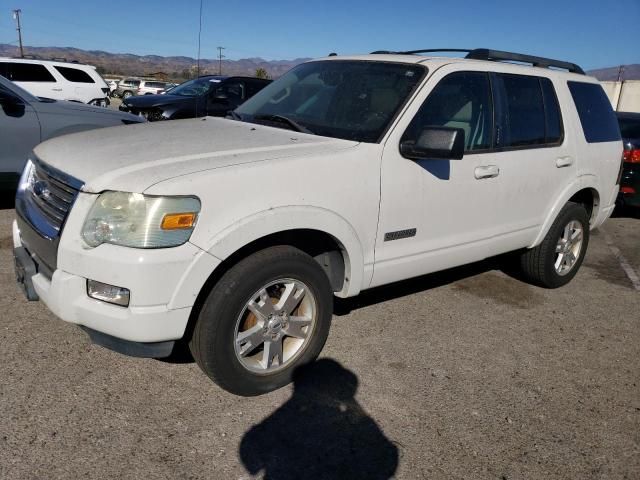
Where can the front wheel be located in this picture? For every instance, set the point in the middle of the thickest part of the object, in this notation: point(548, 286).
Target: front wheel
point(557, 259)
point(266, 316)
point(127, 94)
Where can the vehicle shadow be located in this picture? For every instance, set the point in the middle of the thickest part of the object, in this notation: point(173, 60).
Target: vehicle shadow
point(344, 306)
point(321, 432)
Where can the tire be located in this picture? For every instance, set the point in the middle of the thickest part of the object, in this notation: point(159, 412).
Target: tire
point(226, 319)
point(542, 265)
point(126, 94)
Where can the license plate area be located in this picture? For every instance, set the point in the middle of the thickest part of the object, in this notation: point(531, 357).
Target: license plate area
point(25, 269)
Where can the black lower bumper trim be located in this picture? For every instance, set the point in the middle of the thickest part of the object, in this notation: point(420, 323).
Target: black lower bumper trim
point(132, 349)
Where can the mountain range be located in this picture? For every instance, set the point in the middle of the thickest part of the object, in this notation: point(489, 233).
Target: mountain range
point(177, 68)
point(140, 65)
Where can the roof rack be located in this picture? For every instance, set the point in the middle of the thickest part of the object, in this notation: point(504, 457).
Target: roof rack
point(498, 56)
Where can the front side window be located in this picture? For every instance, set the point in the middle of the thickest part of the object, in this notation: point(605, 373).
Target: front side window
point(597, 118)
point(74, 75)
point(26, 72)
point(352, 100)
point(230, 91)
point(461, 100)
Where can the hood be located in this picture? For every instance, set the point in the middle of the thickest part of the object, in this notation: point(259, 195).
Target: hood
point(150, 101)
point(76, 108)
point(133, 158)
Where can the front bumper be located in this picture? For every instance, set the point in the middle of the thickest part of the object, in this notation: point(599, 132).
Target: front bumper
point(164, 284)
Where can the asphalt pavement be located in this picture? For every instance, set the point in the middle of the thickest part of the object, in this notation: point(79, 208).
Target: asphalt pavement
point(468, 373)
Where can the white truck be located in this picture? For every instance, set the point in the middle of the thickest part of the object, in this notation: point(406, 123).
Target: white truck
point(346, 173)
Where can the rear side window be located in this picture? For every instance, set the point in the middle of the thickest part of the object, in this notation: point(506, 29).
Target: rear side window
point(598, 120)
point(553, 119)
point(74, 75)
point(26, 72)
point(523, 111)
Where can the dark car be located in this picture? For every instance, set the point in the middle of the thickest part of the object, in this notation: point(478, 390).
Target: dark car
point(630, 182)
point(208, 95)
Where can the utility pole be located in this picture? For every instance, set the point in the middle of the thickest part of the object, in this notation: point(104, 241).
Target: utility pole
point(220, 57)
point(16, 16)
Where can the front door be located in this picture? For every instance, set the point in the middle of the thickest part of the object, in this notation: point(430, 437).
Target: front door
point(19, 132)
point(437, 213)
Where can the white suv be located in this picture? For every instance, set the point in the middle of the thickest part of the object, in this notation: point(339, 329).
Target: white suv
point(346, 173)
point(57, 80)
point(151, 87)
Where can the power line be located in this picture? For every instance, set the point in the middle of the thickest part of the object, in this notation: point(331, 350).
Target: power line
point(199, 35)
point(16, 16)
point(220, 57)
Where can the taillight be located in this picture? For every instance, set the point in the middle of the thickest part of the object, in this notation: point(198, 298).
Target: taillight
point(628, 190)
point(632, 156)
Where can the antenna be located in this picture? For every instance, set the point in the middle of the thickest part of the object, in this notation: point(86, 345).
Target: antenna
point(220, 57)
point(16, 16)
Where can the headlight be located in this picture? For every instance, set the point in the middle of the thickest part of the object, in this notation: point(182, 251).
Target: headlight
point(140, 221)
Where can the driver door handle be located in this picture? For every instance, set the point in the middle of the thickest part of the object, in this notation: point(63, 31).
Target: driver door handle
point(487, 171)
point(56, 89)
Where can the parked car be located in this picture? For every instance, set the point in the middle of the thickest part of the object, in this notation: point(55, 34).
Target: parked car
point(208, 95)
point(26, 120)
point(112, 84)
point(127, 87)
point(57, 80)
point(630, 183)
point(344, 174)
point(151, 87)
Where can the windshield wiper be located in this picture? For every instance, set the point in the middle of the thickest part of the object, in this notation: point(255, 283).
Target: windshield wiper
point(282, 119)
point(234, 115)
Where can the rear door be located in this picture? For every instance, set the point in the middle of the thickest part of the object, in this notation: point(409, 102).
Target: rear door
point(533, 153)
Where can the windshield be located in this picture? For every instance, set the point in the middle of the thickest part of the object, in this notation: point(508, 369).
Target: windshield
point(629, 127)
point(194, 88)
point(352, 100)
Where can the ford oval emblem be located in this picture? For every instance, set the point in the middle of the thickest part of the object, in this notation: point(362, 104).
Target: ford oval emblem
point(40, 188)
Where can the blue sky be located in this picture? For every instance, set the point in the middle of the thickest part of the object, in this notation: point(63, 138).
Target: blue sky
point(588, 32)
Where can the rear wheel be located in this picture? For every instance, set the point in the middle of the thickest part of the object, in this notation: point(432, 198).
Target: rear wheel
point(557, 259)
point(266, 316)
point(127, 94)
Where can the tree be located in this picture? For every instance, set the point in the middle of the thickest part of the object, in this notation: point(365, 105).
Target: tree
point(262, 73)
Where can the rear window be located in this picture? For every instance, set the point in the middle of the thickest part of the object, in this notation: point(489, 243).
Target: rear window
point(598, 120)
point(75, 75)
point(630, 127)
point(25, 72)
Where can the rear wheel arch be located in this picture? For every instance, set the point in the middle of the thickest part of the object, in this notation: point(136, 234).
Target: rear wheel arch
point(582, 192)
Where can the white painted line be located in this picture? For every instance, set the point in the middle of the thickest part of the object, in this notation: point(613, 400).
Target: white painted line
point(628, 269)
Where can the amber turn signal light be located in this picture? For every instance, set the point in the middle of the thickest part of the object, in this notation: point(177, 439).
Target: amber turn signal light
point(178, 221)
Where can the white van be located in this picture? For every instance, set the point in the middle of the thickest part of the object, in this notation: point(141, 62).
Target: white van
point(57, 80)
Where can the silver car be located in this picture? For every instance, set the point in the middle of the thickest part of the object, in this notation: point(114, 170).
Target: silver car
point(25, 121)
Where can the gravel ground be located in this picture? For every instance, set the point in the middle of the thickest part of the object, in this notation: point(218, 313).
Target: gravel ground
point(464, 374)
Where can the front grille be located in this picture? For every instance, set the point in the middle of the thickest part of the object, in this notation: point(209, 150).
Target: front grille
point(43, 201)
point(51, 195)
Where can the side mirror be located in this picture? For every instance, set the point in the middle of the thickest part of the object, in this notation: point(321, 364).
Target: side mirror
point(435, 142)
point(12, 105)
point(7, 99)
